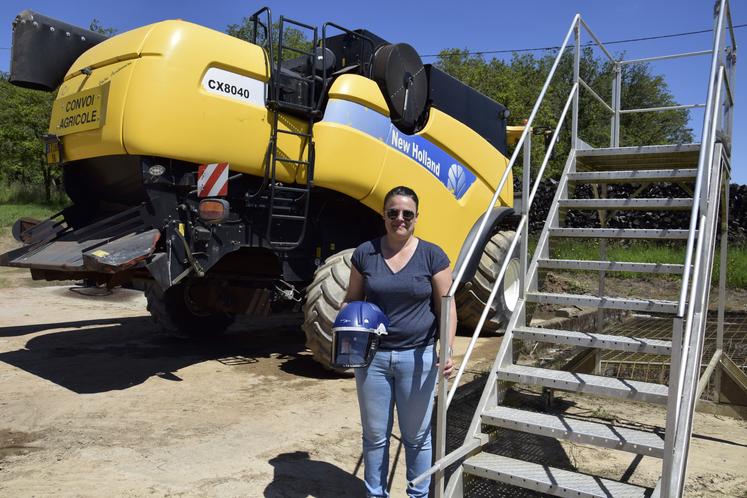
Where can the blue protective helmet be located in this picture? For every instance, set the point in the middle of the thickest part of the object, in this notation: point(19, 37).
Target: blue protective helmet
point(355, 334)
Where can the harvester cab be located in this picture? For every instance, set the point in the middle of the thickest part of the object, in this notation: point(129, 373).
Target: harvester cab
point(224, 176)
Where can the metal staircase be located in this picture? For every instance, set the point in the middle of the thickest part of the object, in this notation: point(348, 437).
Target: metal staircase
point(703, 171)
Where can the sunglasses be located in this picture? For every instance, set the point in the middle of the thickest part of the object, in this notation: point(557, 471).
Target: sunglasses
point(407, 215)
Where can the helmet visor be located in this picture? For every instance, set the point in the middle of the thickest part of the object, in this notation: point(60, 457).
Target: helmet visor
point(353, 348)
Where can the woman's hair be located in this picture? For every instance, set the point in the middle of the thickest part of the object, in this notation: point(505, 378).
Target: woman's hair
point(404, 191)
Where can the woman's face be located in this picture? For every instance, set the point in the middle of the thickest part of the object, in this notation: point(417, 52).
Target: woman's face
point(400, 216)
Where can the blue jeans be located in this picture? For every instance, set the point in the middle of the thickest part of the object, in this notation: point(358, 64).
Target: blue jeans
point(405, 379)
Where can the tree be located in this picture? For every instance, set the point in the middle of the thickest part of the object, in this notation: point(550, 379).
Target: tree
point(97, 27)
point(24, 119)
point(517, 84)
point(292, 37)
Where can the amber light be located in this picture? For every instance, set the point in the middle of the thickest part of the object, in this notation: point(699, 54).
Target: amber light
point(213, 210)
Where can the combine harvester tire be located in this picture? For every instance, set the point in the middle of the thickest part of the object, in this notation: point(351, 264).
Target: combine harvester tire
point(473, 295)
point(323, 300)
point(174, 313)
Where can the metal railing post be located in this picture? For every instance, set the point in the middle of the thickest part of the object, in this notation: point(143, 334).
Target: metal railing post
point(704, 155)
point(731, 78)
point(443, 390)
point(722, 276)
point(616, 104)
point(576, 77)
point(526, 200)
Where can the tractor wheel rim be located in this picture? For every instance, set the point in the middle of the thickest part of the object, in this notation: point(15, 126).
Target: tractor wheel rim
point(511, 284)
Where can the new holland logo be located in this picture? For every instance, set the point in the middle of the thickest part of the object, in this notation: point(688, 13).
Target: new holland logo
point(212, 180)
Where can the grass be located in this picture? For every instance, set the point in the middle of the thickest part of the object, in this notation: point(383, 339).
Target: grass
point(9, 213)
point(651, 252)
point(17, 201)
point(30, 194)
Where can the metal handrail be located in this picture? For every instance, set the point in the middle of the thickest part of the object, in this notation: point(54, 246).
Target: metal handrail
point(504, 266)
point(596, 39)
point(684, 392)
point(595, 95)
point(704, 141)
point(679, 423)
point(663, 108)
point(664, 57)
point(510, 165)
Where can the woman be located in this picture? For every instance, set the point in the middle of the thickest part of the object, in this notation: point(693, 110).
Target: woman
point(405, 277)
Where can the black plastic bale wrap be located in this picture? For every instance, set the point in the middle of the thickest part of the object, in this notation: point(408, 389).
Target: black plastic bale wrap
point(45, 48)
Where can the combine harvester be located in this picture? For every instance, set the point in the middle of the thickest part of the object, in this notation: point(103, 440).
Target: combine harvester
point(224, 177)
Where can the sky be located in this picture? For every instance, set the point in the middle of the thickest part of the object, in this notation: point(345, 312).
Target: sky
point(436, 25)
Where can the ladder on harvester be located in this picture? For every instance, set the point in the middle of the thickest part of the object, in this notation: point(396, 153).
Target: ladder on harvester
point(703, 170)
point(288, 205)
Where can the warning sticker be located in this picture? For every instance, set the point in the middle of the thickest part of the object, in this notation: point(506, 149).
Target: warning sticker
point(80, 111)
point(212, 180)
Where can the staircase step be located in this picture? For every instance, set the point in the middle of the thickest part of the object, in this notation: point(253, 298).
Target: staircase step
point(548, 479)
point(573, 429)
point(616, 303)
point(292, 161)
point(282, 188)
point(287, 217)
point(296, 133)
point(593, 340)
point(648, 158)
point(583, 264)
point(670, 204)
point(619, 233)
point(634, 176)
point(585, 383)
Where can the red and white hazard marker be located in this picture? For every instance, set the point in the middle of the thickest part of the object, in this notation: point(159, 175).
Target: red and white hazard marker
point(212, 180)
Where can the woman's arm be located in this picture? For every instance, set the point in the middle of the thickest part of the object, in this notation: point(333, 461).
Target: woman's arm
point(441, 282)
point(355, 287)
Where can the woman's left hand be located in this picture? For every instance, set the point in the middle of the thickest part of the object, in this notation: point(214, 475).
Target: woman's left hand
point(448, 368)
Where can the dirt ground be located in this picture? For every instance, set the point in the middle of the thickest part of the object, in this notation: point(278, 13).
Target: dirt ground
point(94, 402)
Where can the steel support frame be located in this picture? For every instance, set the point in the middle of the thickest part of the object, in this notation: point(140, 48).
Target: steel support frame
point(687, 346)
point(678, 412)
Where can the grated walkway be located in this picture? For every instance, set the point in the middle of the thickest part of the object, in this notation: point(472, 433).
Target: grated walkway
point(655, 368)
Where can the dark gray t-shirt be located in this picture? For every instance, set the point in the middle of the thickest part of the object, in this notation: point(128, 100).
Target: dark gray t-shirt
point(406, 296)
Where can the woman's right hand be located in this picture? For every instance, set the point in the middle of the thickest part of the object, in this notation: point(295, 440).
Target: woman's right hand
point(448, 367)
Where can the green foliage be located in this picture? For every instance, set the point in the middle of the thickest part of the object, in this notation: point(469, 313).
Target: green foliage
point(97, 27)
point(517, 84)
point(9, 213)
point(652, 252)
point(24, 118)
point(292, 37)
point(30, 194)
point(736, 268)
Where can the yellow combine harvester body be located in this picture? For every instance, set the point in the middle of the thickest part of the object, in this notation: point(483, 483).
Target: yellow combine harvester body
point(158, 103)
